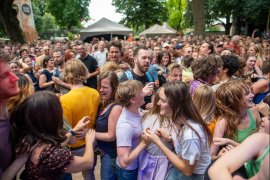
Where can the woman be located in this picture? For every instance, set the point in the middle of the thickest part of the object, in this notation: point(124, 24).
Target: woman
point(26, 89)
point(251, 71)
point(108, 114)
point(45, 78)
point(29, 71)
point(163, 60)
point(257, 51)
point(235, 119)
point(32, 124)
point(14, 66)
point(153, 163)
point(204, 99)
point(192, 138)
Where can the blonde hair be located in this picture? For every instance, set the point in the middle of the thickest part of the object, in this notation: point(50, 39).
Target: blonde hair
point(127, 90)
point(204, 99)
point(228, 98)
point(109, 66)
point(75, 71)
point(26, 89)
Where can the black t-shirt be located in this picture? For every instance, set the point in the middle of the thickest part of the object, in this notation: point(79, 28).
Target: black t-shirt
point(91, 63)
point(143, 79)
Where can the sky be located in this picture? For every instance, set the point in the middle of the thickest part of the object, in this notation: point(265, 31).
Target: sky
point(103, 8)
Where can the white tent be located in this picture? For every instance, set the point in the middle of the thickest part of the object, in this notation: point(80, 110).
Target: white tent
point(157, 30)
point(104, 27)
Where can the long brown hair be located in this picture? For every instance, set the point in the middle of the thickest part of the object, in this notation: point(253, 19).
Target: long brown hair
point(228, 98)
point(38, 118)
point(183, 108)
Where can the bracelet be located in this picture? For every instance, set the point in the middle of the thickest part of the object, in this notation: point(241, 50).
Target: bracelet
point(72, 132)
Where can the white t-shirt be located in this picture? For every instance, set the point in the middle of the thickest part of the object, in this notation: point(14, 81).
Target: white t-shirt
point(100, 57)
point(128, 133)
point(189, 147)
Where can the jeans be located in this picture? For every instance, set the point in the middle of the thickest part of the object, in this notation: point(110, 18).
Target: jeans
point(123, 174)
point(107, 169)
point(176, 174)
point(89, 173)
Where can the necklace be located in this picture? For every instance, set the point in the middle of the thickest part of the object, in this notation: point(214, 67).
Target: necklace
point(243, 115)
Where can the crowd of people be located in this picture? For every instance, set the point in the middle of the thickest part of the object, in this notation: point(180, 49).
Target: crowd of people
point(185, 107)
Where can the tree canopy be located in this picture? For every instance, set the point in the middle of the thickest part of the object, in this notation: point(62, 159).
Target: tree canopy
point(141, 13)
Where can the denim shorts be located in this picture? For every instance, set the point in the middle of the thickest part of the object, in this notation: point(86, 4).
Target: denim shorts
point(176, 174)
point(123, 174)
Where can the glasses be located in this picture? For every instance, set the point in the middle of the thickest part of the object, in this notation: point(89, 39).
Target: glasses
point(46, 50)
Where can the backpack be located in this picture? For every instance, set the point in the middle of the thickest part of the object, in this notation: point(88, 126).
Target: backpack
point(130, 76)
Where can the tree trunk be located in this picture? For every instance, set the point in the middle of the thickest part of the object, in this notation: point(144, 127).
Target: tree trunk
point(236, 29)
point(8, 16)
point(228, 25)
point(198, 16)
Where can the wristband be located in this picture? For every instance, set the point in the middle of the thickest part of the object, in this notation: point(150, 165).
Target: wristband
point(72, 132)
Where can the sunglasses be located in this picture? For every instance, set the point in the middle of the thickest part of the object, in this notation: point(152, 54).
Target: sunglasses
point(46, 50)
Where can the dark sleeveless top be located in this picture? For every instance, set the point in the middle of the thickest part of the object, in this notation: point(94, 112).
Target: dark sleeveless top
point(102, 126)
point(34, 80)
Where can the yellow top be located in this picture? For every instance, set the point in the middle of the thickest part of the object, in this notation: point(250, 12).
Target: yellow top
point(78, 103)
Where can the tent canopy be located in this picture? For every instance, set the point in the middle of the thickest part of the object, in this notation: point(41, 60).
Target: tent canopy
point(104, 27)
point(157, 30)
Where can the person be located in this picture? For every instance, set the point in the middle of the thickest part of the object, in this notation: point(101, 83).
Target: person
point(91, 63)
point(32, 125)
point(163, 60)
point(14, 66)
point(235, 119)
point(174, 72)
point(252, 152)
point(153, 164)
point(187, 74)
point(130, 95)
point(29, 72)
point(26, 89)
point(205, 101)
point(58, 74)
point(114, 52)
point(101, 54)
point(45, 78)
point(230, 65)
point(205, 71)
point(8, 89)
point(80, 101)
point(142, 59)
point(109, 112)
point(261, 88)
point(191, 139)
point(251, 71)
point(207, 49)
point(234, 45)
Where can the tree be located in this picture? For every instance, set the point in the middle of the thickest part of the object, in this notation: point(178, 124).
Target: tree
point(69, 13)
point(8, 16)
point(237, 13)
point(141, 12)
point(198, 16)
point(176, 13)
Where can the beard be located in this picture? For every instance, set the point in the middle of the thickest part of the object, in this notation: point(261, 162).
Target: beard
point(142, 68)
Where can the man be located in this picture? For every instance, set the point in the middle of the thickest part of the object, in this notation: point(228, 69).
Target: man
point(206, 49)
point(58, 74)
point(58, 45)
point(8, 88)
point(91, 63)
point(142, 59)
point(234, 44)
point(8, 49)
point(101, 54)
point(114, 52)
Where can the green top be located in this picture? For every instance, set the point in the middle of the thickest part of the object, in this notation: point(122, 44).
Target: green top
point(253, 166)
point(241, 135)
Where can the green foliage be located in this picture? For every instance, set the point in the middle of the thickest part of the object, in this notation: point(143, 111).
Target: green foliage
point(176, 13)
point(70, 36)
point(69, 13)
point(48, 23)
point(141, 12)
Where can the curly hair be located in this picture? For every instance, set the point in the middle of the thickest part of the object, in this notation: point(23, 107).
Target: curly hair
point(228, 100)
point(232, 63)
point(205, 66)
point(75, 71)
